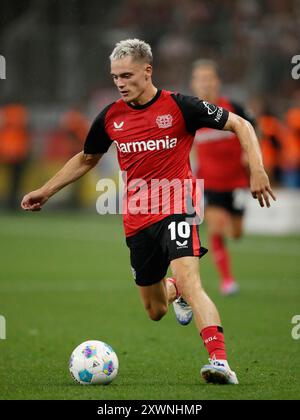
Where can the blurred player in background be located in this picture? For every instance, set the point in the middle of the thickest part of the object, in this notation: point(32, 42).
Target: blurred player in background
point(290, 151)
point(14, 148)
point(65, 141)
point(153, 131)
point(223, 165)
point(271, 140)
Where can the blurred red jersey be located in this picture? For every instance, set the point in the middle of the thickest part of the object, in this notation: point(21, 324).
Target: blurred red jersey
point(219, 155)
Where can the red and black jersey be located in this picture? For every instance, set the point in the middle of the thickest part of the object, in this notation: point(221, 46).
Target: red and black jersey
point(153, 141)
point(219, 155)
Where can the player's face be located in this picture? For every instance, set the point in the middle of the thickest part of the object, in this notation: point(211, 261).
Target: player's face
point(205, 83)
point(131, 77)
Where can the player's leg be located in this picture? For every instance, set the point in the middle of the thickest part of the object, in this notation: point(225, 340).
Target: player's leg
point(217, 219)
point(237, 205)
point(149, 263)
point(207, 319)
point(219, 225)
point(157, 297)
point(236, 231)
point(186, 272)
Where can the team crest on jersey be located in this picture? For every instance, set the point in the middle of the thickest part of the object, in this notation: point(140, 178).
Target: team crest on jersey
point(118, 126)
point(164, 121)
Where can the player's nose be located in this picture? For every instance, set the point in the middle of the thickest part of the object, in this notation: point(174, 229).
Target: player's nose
point(120, 84)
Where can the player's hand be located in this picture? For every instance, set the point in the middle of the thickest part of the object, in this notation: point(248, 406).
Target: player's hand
point(34, 200)
point(260, 187)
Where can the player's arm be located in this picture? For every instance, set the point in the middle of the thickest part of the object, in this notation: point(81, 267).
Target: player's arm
point(74, 169)
point(259, 181)
point(247, 115)
point(96, 144)
point(198, 113)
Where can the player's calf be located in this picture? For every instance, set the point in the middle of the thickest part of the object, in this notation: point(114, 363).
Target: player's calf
point(157, 313)
point(155, 299)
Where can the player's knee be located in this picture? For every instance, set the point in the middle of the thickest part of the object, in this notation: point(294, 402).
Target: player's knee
point(156, 314)
point(190, 287)
point(187, 278)
point(236, 235)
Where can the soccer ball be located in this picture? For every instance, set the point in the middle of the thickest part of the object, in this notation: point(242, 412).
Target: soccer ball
point(93, 362)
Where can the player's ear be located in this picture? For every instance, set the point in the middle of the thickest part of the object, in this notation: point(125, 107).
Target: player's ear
point(148, 70)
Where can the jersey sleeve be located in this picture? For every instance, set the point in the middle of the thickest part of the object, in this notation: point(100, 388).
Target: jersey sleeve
point(198, 113)
point(97, 140)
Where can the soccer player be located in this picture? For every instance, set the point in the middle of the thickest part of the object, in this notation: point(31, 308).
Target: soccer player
point(153, 131)
point(222, 163)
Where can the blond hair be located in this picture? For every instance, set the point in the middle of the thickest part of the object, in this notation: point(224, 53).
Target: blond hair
point(134, 48)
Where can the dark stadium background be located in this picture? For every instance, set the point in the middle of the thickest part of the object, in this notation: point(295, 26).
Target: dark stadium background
point(65, 272)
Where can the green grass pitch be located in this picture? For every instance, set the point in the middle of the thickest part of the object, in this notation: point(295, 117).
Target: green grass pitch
point(66, 278)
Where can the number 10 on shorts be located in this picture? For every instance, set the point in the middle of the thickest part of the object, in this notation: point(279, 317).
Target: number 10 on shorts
point(183, 229)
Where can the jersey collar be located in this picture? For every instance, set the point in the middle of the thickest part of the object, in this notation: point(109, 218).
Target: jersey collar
point(154, 99)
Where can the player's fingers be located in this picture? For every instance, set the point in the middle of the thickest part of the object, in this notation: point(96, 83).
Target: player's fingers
point(254, 195)
point(24, 204)
point(36, 207)
point(260, 199)
point(266, 198)
point(31, 207)
point(269, 189)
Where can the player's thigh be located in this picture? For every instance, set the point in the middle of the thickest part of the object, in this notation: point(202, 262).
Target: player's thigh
point(184, 247)
point(149, 263)
point(218, 219)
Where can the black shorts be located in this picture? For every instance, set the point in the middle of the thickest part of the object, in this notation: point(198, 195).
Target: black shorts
point(153, 248)
point(233, 201)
